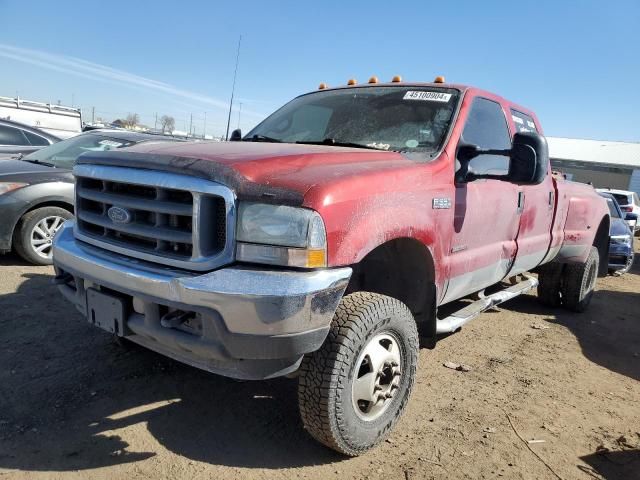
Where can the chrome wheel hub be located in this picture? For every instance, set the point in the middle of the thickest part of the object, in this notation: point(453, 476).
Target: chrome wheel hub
point(378, 374)
point(43, 233)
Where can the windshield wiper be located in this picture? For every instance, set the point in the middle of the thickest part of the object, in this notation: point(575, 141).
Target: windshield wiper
point(37, 162)
point(336, 143)
point(262, 138)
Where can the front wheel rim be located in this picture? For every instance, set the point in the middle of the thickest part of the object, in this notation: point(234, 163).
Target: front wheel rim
point(42, 235)
point(377, 376)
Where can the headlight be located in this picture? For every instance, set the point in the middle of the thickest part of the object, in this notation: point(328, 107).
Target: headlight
point(280, 235)
point(10, 186)
point(621, 239)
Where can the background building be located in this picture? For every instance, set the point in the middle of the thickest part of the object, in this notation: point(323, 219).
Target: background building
point(605, 164)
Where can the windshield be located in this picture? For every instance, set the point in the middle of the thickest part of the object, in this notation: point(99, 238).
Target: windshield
point(386, 118)
point(65, 153)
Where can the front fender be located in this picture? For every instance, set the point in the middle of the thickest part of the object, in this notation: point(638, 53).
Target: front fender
point(17, 203)
point(352, 233)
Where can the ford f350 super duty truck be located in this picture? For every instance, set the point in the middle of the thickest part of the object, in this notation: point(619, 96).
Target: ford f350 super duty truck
point(324, 241)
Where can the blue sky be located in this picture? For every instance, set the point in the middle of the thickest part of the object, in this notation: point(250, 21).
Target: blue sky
point(575, 63)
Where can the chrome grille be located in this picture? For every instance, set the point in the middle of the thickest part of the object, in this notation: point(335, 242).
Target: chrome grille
point(166, 218)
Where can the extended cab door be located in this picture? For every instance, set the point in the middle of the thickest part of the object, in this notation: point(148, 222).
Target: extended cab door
point(487, 212)
point(534, 234)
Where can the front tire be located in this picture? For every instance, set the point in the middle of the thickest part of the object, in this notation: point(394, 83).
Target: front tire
point(354, 389)
point(33, 237)
point(580, 282)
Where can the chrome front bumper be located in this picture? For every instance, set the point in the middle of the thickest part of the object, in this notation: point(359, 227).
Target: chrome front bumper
point(252, 322)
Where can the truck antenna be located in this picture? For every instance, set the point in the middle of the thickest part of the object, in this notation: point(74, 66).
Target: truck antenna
point(233, 88)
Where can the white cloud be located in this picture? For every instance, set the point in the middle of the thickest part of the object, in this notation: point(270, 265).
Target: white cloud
point(94, 71)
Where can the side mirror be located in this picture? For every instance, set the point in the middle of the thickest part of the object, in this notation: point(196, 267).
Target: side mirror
point(236, 135)
point(529, 159)
point(528, 155)
point(631, 217)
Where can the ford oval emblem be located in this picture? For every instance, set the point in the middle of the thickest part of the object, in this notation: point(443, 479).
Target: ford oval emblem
point(119, 215)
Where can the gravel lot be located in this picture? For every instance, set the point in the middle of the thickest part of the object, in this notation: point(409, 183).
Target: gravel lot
point(73, 404)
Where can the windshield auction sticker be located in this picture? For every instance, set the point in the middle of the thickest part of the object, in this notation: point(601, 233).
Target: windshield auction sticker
point(427, 96)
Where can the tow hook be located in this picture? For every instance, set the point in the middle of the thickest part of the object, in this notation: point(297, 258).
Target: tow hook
point(175, 318)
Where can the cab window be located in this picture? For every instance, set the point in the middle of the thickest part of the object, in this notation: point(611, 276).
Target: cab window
point(487, 128)
point(523, 122)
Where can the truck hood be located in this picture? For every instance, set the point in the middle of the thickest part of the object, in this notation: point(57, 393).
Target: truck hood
point(291, 166)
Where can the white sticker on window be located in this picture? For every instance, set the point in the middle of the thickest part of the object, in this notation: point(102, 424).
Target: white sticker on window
point(109, 143)
point(427, 96)
point(531, 124)
point(517, 120)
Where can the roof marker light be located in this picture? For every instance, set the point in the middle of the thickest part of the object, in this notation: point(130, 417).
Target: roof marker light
point(322, 86)
point(396, 79)
point(439, 79)
point(373, 79)
point(352, 81)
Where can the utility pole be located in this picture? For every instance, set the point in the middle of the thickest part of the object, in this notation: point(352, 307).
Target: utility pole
point(204, 126)
point(239, 113)
point(233, 88)
point(191, 124)
point(155, 124)
point(93, 114)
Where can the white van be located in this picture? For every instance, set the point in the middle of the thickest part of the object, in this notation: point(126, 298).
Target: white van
point(58, 120)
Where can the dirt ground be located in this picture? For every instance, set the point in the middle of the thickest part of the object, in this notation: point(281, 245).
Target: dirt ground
point(74, 405)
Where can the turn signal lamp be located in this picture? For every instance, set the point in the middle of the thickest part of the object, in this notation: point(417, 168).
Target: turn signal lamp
point(316, 258)
point(396, 79)
point(322, 86)
point(439, 79)
point(373, 79)
point(352, 81)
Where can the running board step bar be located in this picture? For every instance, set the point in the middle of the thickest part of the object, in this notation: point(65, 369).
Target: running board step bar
point(454, 322)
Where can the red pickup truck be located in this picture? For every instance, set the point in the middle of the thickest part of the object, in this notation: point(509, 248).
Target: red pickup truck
point(322, 243)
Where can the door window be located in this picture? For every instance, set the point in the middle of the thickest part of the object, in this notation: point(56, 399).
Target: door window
point(487, 128)
point(12, 136)
point(36, 140)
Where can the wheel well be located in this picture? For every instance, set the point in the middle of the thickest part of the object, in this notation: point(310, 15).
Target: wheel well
point(404, 269)
point(601, 242)
point(51, 203)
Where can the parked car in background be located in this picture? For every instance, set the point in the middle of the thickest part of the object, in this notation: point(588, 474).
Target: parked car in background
point(620, 237)
point(36, 191)
point(629, 203)
point(18, 138)
point(58, 120)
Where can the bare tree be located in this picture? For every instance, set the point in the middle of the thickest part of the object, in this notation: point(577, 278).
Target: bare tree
point(168, 123)
point(132, 120)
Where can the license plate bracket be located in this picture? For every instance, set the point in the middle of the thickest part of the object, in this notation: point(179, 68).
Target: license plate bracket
point(106, 311)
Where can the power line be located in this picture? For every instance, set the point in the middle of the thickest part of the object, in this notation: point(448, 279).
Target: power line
point(233, 88)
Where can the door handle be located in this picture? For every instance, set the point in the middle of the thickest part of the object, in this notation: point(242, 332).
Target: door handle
point(520, 202)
